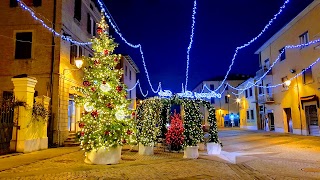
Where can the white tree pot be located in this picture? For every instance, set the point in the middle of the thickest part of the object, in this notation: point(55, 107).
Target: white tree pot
point(146, 150)
point(104, 156)
point(191, 152)
point(213, 148)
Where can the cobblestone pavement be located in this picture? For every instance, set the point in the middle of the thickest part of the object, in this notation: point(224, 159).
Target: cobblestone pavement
point(245, 155)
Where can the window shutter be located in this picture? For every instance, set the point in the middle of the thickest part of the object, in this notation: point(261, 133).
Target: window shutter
point(13, 3)
point(37, 3)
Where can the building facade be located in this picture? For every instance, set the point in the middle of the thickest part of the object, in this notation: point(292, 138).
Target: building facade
point(250, 112)
point(227, 107)
point(294, 106)
point(29, 48)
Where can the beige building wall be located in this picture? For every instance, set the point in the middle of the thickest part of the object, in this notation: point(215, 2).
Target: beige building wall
point(249, 112)
point(130, 79)
point(65, 75)
point(296, 59)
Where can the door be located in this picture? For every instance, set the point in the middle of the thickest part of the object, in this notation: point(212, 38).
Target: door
point(71, 116)
point(312, 120)
point(271, 119)
point(289, 120)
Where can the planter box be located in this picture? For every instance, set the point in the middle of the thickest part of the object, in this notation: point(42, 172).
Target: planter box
point(104, 156)
point(191, 152)
point(146, 150)
point(213, 148)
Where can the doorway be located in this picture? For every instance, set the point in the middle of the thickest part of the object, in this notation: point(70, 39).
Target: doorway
point(271, 121)
point(71, 114)
point(312, 120)
point(289, 120)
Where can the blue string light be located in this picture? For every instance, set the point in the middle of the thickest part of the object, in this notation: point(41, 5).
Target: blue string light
point(252, 40)
point(102, 5)
point(23, 6)
point(273, 64)
point(280, 84)
point(191, 41)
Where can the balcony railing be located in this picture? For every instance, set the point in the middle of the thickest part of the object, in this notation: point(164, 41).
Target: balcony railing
point(263, 70)
point(265, 99)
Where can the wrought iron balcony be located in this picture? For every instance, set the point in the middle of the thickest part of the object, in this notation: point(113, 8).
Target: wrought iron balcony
point(263, 70)
point(265, 99)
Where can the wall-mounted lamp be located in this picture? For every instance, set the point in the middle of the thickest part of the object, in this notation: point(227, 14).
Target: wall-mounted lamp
point(79, 63)
point(292, 71)
point(287, 83)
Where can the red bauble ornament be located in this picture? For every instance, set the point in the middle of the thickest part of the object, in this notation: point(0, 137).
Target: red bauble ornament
point(105, 52)
point(86, 83)
point(124, 141)
point(104, 82)
point(129, 132)
point(99, 30)
point(96, 62)
point(115, 59)
point(81, 125)
point(107, 133)
point(93, 89)
point(119, 88)
point(94, 114)
point(133, 113)
point(109, 105)
point(81, 133)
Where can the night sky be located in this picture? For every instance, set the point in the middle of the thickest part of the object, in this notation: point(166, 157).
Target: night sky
point(163, 27)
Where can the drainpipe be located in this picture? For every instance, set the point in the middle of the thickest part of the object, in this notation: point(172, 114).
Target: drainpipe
point(299, 107)
point(52, 61)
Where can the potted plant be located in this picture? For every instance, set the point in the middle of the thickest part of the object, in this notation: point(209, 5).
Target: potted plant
point(213, 145)
point(192, 128)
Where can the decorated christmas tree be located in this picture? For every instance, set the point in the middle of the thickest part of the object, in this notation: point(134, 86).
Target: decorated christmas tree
point(107, 121)
point(192, 123)
point(174, 136)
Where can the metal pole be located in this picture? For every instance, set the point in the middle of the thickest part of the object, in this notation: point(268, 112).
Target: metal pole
point(299, 107)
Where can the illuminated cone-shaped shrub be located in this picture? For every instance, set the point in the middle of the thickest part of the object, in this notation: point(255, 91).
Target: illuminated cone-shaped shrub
point(174, 136)
point(107, 122)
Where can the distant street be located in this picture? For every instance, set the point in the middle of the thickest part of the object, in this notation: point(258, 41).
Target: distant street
point(245, 155)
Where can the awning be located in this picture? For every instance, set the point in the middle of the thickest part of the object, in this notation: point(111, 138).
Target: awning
point(309, 98)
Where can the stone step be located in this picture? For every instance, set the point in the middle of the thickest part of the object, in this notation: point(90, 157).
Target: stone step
point(71, 144)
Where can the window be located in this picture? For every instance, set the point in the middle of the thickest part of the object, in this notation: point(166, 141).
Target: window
point(226, 99)
point(260, 64)
point(213, 100)
point(211, 87)
point(269, 92)
point(252, 115)
point(266, 63)
point(91, 25)
point(129, 74)
point(35, 3)
point(130, 95)
point(246, 92)
point(304, 39)
point(77, 10)
point(260, 89)
point(125, 70)
point(248, 116)
point(261, 108)
point(283, 55)
point(23, 45)
point(75, 52)
point(284, 79)
point(307, 76)
point(250, 92)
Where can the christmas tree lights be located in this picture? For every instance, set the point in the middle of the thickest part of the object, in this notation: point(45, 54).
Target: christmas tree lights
point(174, 136)
point(107, 121)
